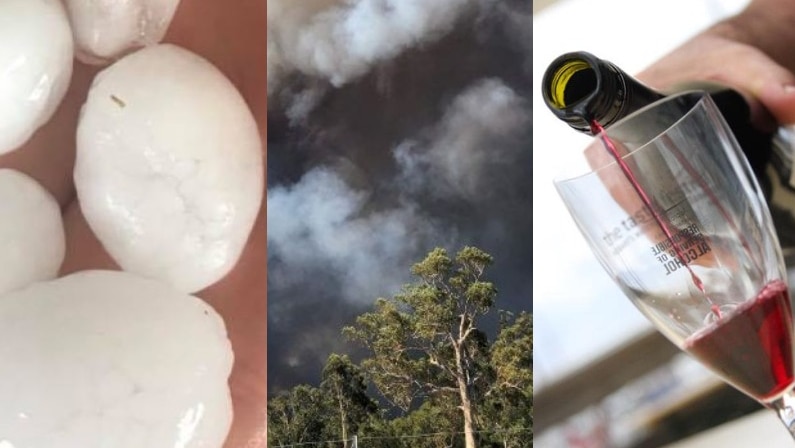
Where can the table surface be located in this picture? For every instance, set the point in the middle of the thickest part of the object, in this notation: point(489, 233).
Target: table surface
point(761, 428)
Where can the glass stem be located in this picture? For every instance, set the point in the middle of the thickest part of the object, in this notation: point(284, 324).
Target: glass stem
point(785, 408)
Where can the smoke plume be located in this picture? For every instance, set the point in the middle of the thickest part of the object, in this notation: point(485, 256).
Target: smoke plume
point(341, 41)
point(394, 127)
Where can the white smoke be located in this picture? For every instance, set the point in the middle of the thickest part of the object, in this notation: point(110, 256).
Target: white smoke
point(303, 102)
point(340, 40)
point(468, 143)
point(515, 18)
point(392, 133)
point(319, 223)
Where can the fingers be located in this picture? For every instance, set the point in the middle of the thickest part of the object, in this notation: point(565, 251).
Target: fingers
point(49, 155)
point(232, 38)
point(778, 96)
point(83, 249)
point(768, 86)
point(241, 299)
point(208, 28)
point(771, 87)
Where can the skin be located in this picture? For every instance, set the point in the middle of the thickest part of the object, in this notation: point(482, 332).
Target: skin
point(751, 52)
point(232, 38)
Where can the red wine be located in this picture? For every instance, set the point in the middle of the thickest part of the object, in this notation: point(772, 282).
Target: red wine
point(751, 347)
point(597, 129)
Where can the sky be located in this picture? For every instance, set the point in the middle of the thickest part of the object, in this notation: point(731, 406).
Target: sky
point(394, 126)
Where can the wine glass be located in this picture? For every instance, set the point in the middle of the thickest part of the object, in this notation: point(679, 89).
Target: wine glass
point(670, 207)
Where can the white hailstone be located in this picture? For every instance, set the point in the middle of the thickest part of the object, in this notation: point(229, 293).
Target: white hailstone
point(169, 169)
point(110, 359)
point(36, 53)
point(31, 232)
point(106, 29)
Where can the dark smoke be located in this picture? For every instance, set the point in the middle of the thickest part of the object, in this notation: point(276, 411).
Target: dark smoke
point(393, 127)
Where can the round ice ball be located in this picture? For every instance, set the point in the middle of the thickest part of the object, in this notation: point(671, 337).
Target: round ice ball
point(31, 232)
point(169, 168)
point(110, 359)
point(106, 29)
point(36, 54)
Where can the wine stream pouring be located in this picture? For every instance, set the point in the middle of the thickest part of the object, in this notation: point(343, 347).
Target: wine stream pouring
point(580, 88)
point(591, 94)
point(671, 208)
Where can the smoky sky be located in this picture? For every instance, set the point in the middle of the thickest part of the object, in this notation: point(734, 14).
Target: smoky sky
point(394, 126)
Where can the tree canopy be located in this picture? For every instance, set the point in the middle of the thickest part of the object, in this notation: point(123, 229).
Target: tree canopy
point(436, 380)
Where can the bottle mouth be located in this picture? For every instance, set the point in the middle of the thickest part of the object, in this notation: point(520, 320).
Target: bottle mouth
point(569, 81)
point(572, 86)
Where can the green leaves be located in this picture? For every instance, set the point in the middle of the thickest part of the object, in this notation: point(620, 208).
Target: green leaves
point(345, 387)
point(429, 359)
point(425, 342)
point(508, 406)
point(296, 416)
point(512, 353)
point(423, 337)
point(436, 264)
point(333, 411)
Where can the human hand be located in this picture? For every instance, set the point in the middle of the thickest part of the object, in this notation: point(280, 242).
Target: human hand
point(748, 52)
point(233, 39)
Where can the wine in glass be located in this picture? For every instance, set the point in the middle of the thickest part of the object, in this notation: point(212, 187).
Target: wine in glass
point(669, 205)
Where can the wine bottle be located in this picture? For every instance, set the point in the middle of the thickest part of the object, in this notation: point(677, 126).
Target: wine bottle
point(580, 88)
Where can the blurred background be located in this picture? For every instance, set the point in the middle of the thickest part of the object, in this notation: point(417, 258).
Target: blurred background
point(602, 376)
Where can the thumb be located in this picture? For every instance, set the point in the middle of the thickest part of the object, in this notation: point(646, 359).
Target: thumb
point(778, 97)
point(770, 86)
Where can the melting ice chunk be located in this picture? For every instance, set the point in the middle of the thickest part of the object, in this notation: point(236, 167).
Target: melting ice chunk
point(107, 29)
point(31, 232)
point(169, 167)
point(109, 359)
point(36, 53)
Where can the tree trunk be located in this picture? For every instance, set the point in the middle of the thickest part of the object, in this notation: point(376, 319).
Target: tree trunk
point(342, 422)
point(466, 408)
point(466, 403)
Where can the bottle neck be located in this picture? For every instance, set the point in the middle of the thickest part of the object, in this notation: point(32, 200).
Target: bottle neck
point(580, 88)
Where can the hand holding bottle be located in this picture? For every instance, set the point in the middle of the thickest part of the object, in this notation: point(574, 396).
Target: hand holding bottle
point(750, 52)
point(591, 94)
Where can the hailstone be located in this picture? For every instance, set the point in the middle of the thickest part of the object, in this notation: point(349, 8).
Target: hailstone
point(110, 359)
point(31, 232)
point(107, 29)
point(169, 166)
point(36, 54)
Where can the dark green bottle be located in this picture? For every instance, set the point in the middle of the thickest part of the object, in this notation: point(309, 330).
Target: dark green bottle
point(579, 88)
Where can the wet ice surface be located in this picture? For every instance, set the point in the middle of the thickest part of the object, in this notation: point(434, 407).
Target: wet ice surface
point(36, 55)
point(169, 168)
point(108, 359)
point(107, 29)
point(31, 232)
point(170, 178)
